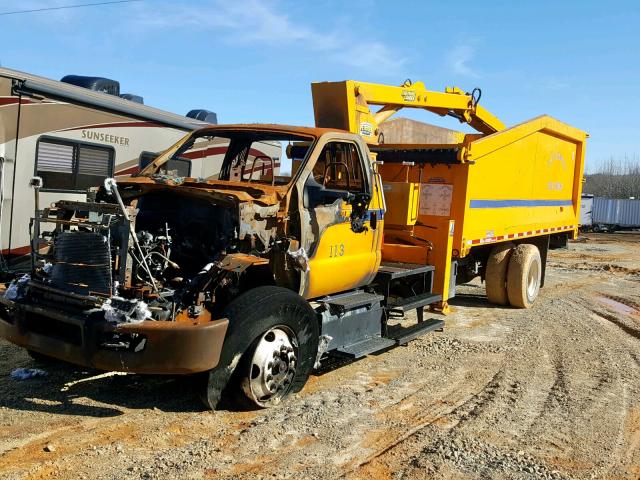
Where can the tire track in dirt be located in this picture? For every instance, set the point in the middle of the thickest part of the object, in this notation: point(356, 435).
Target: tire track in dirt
point(552, 392)
point(503, 388)
point(443, 409)
point(618, 345)
point(582, 395)
point(633, 332)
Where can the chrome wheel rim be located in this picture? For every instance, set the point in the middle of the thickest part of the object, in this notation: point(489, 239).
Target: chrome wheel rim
point(272, 367)
point(533, 280)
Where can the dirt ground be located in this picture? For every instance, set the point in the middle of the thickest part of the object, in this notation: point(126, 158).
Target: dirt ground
point(551, 392)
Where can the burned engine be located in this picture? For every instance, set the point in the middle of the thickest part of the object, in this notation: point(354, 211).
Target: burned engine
point(179, 235)
point(161, 254)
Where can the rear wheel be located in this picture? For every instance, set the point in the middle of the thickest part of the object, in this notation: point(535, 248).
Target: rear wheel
point(269, 349)
point(525, 273)
point(496, 273)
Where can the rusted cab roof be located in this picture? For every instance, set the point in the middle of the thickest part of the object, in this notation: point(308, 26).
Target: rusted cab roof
point(266, 194)
point(270, 127)
point(242, 191)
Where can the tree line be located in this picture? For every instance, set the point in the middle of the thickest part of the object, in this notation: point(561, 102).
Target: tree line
point(615, 178)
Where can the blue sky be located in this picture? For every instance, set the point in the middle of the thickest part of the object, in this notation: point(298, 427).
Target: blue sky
point(250, 60)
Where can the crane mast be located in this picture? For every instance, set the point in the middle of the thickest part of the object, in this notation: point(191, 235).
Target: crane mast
point(346, 105)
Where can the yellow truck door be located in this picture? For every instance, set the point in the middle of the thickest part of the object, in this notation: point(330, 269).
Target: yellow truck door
point(343, 249)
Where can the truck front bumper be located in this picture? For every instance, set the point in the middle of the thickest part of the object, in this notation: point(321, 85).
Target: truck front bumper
point(160, 347)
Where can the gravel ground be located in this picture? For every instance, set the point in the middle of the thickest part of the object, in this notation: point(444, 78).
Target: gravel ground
point(552, 392)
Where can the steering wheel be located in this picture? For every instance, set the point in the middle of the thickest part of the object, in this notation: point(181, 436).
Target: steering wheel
point(342, 164)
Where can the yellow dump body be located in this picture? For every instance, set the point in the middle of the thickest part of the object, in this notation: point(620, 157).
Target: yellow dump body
point(520, 182)
point(447, 201)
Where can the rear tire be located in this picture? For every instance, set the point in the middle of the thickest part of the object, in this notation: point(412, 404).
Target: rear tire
point(525, 273)
point(496, 273)
point(259, 320)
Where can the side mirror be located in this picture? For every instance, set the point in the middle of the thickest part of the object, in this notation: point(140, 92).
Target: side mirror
point(359, 210)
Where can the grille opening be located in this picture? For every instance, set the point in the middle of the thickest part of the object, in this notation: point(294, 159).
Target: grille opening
point(53, 328)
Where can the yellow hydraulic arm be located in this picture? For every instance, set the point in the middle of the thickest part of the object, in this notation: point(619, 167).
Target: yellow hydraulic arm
point(346, 105)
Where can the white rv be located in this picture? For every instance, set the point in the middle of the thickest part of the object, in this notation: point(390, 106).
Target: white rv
point(72, 136)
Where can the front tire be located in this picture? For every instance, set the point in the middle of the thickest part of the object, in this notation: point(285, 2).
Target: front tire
point(264, 322)
point(525, 273)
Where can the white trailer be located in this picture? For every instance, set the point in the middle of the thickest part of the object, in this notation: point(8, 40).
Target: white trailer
point(72, 137)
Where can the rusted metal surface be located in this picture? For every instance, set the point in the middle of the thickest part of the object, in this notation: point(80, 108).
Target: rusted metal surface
point(239, 262)
point(223, 191)
point(258, 221)
point(202, 316)
point(170, 347)
point(271, 127)
point(310, 132)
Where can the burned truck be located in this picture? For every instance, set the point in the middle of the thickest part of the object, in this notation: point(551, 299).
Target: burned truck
point(248, 280)
point(169, 275)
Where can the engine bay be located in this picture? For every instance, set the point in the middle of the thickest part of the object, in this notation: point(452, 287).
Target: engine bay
point(158, 254)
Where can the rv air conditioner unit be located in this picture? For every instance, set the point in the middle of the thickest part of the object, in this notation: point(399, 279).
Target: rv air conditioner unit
point(98, 84)
point(204, 116)
point(132, 97)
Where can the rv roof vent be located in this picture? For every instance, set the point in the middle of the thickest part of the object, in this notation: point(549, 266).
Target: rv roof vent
point(132, 97)
point(97, 84)
point(204, 116)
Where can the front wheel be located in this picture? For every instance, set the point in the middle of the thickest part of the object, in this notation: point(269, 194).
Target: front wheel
point(269, 349)
point(270, 367)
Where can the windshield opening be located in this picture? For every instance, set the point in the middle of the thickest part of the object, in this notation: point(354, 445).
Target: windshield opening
point(263, 157)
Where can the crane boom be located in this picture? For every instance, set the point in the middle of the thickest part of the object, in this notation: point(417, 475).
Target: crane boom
point(347, 104)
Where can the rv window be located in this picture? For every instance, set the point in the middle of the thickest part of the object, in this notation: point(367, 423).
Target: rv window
point(65, 165)
point(94, 165)
point(55, 165)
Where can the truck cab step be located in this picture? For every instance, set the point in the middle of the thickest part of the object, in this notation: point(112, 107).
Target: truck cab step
point(351, 300)
point(416, 301)
point(397, 335)
point(403, 335)
point(391, 271)
point(365, 347)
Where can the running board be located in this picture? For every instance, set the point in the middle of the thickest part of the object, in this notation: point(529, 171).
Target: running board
point(403, 335)
point(365, 347)
point(416, 301)
point(397, 336)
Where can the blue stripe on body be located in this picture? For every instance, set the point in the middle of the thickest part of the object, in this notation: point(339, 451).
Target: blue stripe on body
point(518, 203)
